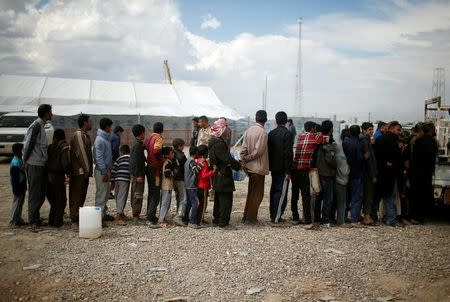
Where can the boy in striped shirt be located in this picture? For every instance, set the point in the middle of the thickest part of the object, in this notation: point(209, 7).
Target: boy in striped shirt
point(120, 178)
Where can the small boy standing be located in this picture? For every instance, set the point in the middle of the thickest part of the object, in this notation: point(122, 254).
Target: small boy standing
point(204, 182)
point(137, 170)
point(179, 187)
point(168, 173)
point(191, 171)
point(19, 187)
point(120, 178)
point(59, 170)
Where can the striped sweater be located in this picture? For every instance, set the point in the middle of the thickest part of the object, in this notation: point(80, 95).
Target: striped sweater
point(121, 169)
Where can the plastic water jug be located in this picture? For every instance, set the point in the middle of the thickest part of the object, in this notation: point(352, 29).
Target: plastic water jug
point(90, 222)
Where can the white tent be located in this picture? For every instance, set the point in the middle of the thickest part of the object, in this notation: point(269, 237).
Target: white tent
point(69, 97)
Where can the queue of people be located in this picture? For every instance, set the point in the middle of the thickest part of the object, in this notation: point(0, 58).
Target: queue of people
point(341, 182)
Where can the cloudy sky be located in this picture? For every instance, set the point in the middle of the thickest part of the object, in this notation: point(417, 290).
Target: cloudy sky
point(358, 56)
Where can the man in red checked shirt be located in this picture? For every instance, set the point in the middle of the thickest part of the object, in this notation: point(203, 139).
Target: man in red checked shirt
point(153, 144)
point(304, 150)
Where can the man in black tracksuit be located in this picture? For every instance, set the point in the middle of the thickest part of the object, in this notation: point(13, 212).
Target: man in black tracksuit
point(280, 143)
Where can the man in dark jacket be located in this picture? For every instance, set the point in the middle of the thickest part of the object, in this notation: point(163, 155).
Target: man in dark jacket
point(389, 164)
point(195, 130)
point(223, 183)
point(354, 152)
point(137, 170)
point(423, 163)
point(326, 166)
point(370, 171)
point(58, 167)
point(280, 143)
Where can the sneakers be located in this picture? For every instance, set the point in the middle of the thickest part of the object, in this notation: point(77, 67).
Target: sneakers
point(396, 224)
point(193, 226)
point(178, 221)
point(309, 226)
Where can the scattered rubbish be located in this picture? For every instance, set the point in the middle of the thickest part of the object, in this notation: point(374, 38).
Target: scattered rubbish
point(132, 244)
point(334, 251)
point(145, 240)
point(157, 269)
point(333, 239)
point(6, 234)
point(384, 299)
point(177, 299)
point(254, 290)
point(241, 253)
point(32, 267)
point(327, 299)
point(118, 263)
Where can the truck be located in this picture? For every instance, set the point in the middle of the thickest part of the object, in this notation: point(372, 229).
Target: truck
point(438, 113)
point(13, 128)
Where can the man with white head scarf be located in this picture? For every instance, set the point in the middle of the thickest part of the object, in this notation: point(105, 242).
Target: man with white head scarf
point(223, 183)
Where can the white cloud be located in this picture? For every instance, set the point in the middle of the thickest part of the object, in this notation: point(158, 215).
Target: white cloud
point(116, 41)
point(210, 22)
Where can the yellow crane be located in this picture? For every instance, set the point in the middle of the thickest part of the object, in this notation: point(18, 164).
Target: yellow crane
point(169, 75)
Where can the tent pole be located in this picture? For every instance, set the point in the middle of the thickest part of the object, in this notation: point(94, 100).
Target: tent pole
point(42, 90)
point(90, 91)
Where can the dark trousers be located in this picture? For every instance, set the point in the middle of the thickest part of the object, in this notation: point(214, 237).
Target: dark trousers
point(368, 194)
point(318, 200)
point(356, 200)
point(56, 195)
point(327, 189)
point(223, 204)
point(421, 204)
point(278, 196)
point(78, 188)
point(202, 196)
point(254, 196)
point(300, 183)
point(37, 184)
point(154, 194)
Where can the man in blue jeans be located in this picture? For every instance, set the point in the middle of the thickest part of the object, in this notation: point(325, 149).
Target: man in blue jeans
point(326, 166)
point(389, 164)
point(280, 141)
point(353, 150)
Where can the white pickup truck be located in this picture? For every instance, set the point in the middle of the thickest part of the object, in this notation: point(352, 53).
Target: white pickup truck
point(13, 128)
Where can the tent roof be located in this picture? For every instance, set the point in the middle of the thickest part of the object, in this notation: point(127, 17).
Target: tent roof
point(72, 96)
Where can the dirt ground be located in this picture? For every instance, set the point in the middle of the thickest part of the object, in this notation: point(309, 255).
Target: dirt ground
point(428, 280)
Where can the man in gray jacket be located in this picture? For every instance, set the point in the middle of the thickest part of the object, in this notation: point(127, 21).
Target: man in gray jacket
point(35, 159)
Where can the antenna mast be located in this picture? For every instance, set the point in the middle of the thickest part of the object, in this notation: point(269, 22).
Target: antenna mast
point(298, 84)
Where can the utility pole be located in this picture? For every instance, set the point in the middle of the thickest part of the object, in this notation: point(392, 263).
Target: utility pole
point(265, 96)
point(169, 75)
point(370, 116)
point(298, 84)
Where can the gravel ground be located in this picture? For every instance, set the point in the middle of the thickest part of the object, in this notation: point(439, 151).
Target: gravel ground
point(137, 263)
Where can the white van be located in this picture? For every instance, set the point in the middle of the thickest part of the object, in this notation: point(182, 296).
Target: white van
point(13, 128)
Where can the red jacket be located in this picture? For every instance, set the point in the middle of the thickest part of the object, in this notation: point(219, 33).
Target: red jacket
point(153, 144)
point(205, 175)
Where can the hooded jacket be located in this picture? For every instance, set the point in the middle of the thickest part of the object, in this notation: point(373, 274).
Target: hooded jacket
point(102, 152)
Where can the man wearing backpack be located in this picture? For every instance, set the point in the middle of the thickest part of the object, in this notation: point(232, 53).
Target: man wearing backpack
point(326, 166)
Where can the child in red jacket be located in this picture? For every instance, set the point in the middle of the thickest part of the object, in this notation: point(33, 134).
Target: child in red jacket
point(204, 181)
